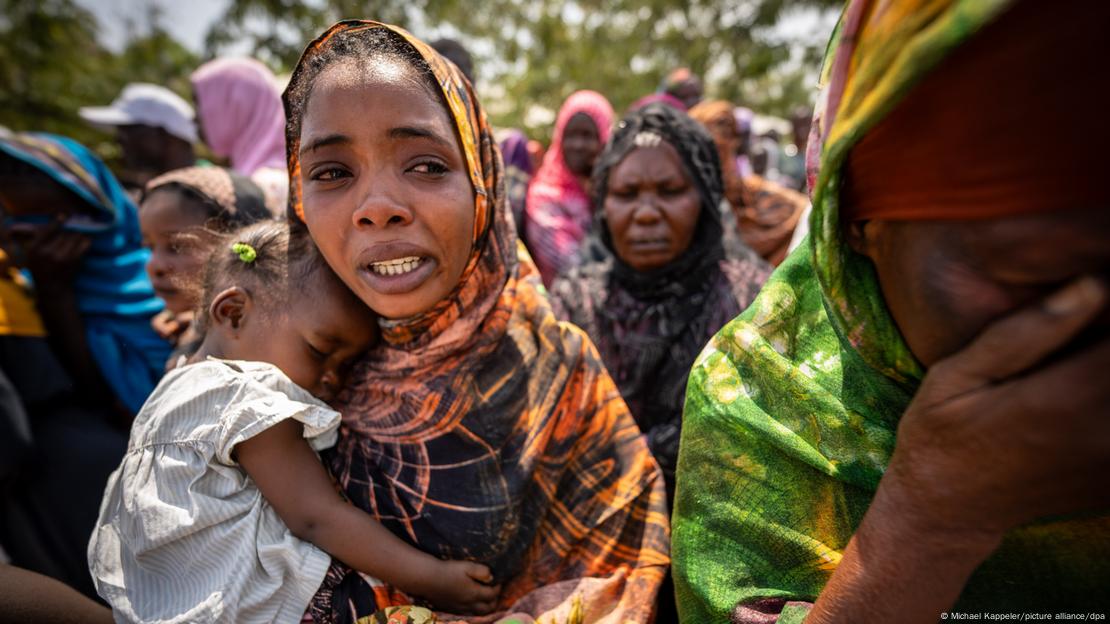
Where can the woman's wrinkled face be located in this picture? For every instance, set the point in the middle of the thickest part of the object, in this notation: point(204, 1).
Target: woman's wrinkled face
point(581, 144)
point(651, 207)
point(173, 229)
point(944, 281)
point(386, 191)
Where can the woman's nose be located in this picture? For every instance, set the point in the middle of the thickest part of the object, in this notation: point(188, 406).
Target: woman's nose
point(379, 208)
point(647, 209)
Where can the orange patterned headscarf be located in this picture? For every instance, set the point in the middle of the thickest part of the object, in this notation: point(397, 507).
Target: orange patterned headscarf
point(483, 429)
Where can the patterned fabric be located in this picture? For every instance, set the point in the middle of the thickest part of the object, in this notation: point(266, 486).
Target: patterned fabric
point(113, 292)
point(649, 327)
point(559, 211)
point(183, 533)
point(483, 429)
point(792, 409)
point(237, 200)
point(766, 212)
point(518, 172)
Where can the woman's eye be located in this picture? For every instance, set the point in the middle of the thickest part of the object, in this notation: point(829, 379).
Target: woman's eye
point(430, 168)
point(330, 174)
point(623, 193)
point(674, 190)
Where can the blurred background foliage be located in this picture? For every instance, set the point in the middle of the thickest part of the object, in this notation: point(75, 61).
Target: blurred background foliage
point(529, 55)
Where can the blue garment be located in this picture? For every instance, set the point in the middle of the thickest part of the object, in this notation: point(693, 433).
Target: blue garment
point(113, 293)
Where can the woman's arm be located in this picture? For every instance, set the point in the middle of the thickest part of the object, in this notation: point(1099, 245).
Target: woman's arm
point(291, 477)
point(995, 437)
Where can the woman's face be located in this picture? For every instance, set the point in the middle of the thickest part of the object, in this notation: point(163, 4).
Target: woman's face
point(386, 191)
point(581, 144)
point(651, 207)
point(944, 281)
point(173, 230)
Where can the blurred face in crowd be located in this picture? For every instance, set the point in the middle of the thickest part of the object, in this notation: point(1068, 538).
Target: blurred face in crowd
point(651, 207)
point(143, 147)
point(387, 197)
point(944, 281)
point(689, 92)
point(173, 229)
point(29, 199)
point(581, 144)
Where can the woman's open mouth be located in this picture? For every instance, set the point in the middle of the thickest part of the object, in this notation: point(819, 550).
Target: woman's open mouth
point(393, 269)
point(399, 266)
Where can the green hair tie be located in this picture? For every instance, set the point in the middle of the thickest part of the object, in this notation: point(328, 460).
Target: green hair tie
point(246, 252)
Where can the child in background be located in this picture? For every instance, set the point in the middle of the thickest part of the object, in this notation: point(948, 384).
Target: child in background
point(182, 213)
point(221, 511)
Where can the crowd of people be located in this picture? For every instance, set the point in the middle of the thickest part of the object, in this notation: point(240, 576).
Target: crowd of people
point(393, 365)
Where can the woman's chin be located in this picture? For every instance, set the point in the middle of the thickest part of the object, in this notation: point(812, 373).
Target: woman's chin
point(401, 296)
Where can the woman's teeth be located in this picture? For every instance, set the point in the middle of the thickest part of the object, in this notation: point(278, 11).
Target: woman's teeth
point(400, 266)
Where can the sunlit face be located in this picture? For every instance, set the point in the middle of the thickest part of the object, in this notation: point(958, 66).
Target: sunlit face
point(581, 144)
point(944, 281)
point(651, 207)
point(323, 330)
point(173, 230)
point(386, 191)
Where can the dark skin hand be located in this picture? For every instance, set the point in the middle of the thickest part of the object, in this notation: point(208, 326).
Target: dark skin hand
point(1010, 423)
point(975, 428)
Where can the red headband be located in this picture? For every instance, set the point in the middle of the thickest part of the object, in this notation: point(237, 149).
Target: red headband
point(1012, 123)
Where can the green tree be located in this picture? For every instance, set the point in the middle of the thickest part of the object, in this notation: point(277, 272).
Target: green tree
point(51, 64)
point(531, 54)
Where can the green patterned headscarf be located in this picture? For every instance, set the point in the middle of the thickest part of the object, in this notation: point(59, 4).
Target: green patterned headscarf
point(792, 408)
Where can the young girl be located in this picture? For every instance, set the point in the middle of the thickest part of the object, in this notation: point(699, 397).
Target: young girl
point(180, 213)
point(205, 517)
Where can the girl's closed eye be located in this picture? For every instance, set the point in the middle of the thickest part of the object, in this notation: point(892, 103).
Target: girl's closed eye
point(318, 355)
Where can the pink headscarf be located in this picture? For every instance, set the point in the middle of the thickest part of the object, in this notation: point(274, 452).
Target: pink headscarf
point(239, 107)
point(558, 209)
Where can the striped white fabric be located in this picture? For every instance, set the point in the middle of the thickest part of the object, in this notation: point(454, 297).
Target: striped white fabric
point(184, 535)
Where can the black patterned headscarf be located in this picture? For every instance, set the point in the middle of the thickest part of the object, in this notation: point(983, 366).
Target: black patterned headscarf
point(650, 326)
point(698, 153)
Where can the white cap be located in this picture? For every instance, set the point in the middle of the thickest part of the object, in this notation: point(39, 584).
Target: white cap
point(146, 104)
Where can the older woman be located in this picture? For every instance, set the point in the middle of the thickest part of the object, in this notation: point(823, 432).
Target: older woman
point(660, 283)
point(766, 212)
point(558, 211)
point(913, 416)
point(481, 428)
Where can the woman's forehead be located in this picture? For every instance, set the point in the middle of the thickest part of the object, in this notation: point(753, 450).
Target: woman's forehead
point(651, 161)
point(355, 94)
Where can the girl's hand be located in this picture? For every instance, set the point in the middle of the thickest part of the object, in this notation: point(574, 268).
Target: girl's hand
point(458, 587)
point(1001, 433)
